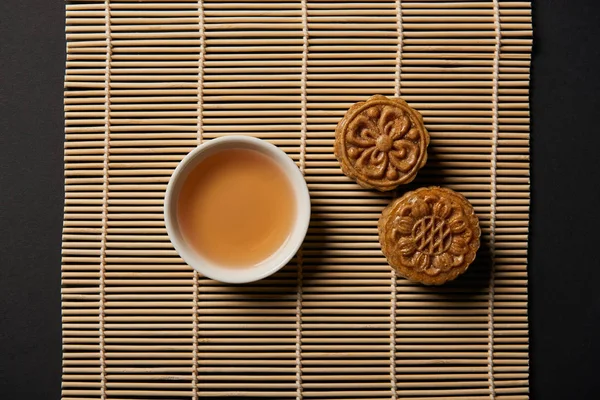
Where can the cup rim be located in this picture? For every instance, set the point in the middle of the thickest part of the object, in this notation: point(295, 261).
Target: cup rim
point(278, 259)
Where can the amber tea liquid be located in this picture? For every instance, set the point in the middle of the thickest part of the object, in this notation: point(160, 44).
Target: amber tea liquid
point(236, 208)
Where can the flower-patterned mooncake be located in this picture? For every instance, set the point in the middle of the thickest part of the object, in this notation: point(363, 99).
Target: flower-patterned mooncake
point(381, 143)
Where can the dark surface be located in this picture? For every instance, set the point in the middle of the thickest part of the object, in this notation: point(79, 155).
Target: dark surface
point(564, 243)
point(31, 197)
point(565, 239)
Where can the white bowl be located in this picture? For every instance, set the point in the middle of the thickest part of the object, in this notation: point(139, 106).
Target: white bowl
point(268, 266)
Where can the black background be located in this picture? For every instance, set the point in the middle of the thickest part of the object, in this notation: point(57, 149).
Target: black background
point(564, 243)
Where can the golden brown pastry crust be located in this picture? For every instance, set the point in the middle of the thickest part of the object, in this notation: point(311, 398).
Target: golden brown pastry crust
point(381, 143)
point(429, 235)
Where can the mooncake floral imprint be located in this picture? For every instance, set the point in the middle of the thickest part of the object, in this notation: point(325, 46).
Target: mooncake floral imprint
point(381, 143)
point(430, 235)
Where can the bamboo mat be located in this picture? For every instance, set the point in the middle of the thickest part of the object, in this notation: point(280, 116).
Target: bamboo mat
point(147, 81)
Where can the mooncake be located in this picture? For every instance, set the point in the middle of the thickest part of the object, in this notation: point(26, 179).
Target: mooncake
point(429, 235)
point(381, 143)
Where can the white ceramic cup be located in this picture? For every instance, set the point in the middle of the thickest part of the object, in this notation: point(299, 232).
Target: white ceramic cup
point(268, 266)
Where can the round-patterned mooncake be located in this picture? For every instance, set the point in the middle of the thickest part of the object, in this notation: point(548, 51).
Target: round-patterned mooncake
point(429, 235)
point(381, 143)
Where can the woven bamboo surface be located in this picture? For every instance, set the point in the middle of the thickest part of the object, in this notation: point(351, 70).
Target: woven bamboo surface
point(147, 81)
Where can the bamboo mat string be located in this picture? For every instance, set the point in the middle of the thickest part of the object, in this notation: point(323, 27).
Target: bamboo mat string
point(299, 288)
point(201, 57)
point(393, 306)
point(393, 288)
point(492, 288)
point(195, 338)
point(105, 171)
point(200, 136)
point(400, 44)
point(303, 88)
point(300, 277)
